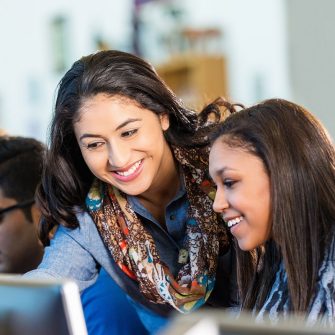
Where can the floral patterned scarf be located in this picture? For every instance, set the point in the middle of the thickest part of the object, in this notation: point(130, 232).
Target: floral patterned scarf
point(134, 250)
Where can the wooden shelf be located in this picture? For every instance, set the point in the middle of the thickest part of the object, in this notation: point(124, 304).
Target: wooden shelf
point(196, 79)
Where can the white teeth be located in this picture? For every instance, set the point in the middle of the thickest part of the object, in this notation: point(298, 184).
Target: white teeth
point(130, 171)
point(235, 221)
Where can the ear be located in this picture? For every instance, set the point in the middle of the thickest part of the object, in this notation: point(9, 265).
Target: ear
point(165, 122)
point(36, 215)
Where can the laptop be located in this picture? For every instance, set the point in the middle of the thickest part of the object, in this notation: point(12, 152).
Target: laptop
point(220, 322)
point(40, 307)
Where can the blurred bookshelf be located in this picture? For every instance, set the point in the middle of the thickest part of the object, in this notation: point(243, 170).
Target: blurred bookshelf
point(195, 78)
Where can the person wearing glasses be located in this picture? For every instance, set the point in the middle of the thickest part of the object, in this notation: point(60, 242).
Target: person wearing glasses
point(20, 172)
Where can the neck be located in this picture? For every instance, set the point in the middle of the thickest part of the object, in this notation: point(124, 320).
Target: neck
point(165, 185)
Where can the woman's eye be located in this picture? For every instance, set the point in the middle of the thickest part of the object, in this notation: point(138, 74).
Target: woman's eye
point(94, 145)
point(229, 183)
point(129, 133)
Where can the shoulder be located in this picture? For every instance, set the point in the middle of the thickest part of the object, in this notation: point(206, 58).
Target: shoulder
point(330, 251)
point(85, 220)
point(86, 234)
point(324, 300)
point(327, 268)
point(329, 255)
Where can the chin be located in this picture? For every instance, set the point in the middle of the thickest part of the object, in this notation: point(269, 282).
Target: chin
point(133, 191)
point(245, 246)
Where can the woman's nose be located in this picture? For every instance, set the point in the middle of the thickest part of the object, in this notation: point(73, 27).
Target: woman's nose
point(118, 155)
point(220, 202)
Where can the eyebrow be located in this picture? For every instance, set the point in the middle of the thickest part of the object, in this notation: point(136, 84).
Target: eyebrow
point(221, 171)
point(88, 136)
point(224, 169)
point(123, 124)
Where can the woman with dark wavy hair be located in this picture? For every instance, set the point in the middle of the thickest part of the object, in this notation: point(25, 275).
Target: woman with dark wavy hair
point(274, 167)
point(126, 184)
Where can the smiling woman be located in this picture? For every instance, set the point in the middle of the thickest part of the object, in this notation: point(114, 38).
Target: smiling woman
point(126, 182)
point(118, 140)
point(274, 167)
point(243, 193)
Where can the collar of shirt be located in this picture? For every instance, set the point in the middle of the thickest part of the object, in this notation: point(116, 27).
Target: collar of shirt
point(168, 242)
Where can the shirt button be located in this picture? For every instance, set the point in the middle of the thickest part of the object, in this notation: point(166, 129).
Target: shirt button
point(172, 217)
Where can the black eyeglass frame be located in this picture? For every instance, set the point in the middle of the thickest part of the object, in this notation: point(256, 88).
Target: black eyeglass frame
point(22, 204)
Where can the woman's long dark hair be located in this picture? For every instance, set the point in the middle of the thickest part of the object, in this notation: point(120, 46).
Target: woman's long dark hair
point(299, 158)
point(66, 178)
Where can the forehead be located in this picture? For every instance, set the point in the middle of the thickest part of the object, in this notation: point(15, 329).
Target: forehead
point(104, 97)
point(224, 157)
point(110, 102)
point(111, 109)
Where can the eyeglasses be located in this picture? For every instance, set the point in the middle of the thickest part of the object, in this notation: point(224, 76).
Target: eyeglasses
point(22, 204)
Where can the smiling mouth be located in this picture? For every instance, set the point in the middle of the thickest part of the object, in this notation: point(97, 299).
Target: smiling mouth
point(234, 222)
point(130, 171)
point(130, 174)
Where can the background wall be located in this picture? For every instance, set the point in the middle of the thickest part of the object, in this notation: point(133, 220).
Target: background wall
point(31, 47)
point(311, 54)
point(277, 48)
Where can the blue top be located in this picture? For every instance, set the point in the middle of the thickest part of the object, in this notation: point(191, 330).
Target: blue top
point(107, 309)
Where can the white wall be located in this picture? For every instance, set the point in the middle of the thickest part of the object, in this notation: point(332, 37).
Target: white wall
point(27, 81)
point(311, 50)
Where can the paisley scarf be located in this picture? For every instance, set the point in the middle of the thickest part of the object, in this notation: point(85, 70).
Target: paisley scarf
point(134, 250)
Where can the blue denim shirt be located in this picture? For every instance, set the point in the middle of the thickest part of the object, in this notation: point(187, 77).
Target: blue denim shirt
point(79, 253)
point(168, 243)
